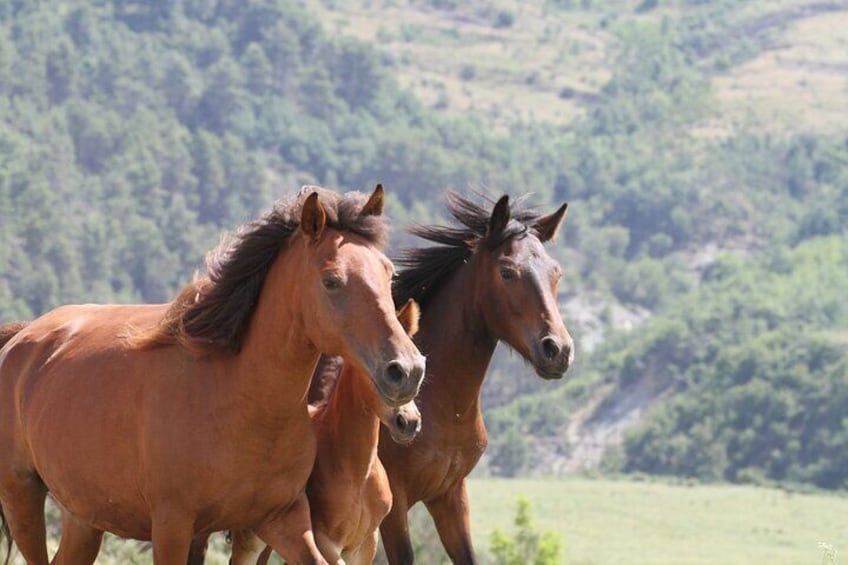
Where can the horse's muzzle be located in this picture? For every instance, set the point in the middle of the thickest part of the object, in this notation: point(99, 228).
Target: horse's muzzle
point(552, 356)
point(405, 424)
point(399, 380)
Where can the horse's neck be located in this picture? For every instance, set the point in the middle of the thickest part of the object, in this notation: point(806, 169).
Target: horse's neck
point(458, 347)
point(348, 427)
point(276, 362)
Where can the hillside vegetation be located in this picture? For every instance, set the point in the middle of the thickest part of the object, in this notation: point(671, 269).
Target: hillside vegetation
point(752, 369)
point(706, 196)
point(133, 132)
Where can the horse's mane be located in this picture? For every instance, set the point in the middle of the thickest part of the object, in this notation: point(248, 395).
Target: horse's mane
point(426, 269)
point(324, 381)
point(10, 330)
point(213, 311)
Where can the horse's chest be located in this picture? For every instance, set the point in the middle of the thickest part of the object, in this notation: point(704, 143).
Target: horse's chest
point(251, 484)
point(448, 464)
point(459, 447)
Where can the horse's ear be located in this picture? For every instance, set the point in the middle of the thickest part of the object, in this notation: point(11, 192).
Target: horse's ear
point(500, 216)
point(374, 206)
point(408, 317)
point(313, 218)
point(546, 227)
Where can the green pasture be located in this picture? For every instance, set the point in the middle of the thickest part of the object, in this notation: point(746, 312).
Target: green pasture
point(604, 521)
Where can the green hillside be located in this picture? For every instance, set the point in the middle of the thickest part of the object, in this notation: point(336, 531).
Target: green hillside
point(133, 132)
point(746, 379)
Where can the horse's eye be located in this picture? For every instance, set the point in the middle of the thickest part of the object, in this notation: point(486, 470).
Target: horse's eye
point(331, 283)
point(508, 274)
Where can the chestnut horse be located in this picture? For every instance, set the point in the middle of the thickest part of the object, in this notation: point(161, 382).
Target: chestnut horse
point(489, 279)
point(163, 422)
point(348, 490)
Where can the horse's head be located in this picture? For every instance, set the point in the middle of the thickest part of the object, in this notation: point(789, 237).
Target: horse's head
point(515, 286)
point(403, 422)
point(347, 301)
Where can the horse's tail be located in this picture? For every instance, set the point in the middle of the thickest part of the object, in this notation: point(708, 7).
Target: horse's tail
point(7, 332)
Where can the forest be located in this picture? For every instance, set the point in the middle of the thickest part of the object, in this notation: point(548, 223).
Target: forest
point(134, 132)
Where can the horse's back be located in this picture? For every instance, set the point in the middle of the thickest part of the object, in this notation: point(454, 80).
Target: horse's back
point(67, 336)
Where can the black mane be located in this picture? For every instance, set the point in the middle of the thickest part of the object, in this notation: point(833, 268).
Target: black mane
point(426, 269)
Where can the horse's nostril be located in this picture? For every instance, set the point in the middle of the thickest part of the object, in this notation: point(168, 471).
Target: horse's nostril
point(401, 422)
point(395, 372)
point(550, 348)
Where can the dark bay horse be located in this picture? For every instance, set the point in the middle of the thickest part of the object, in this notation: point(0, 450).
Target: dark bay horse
point(164, 422)
point(348, 491)
point(488, 278)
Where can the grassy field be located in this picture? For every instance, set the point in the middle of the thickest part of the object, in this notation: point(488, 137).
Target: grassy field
point(604, 521)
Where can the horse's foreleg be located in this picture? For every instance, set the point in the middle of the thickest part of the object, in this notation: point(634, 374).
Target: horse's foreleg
point(247, 548)
point(172, 536)
point(23, 507)
point(365, 553)
point(264, 557)
point(289, 533)
point(328, 549)
point(197, 551)
point(450, 512)
point(79, 544)
point(394, 531)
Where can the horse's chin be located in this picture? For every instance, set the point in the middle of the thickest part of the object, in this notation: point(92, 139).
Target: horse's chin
point(550, 370)
point(401, 438)
point(549, 375)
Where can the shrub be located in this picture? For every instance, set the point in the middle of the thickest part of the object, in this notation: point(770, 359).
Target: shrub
point(468, 72)
point(504, 19)
point(526, 546)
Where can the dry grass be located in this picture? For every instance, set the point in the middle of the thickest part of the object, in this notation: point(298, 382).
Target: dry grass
point(459, 61)
point(800, 84)
point(549, 64)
